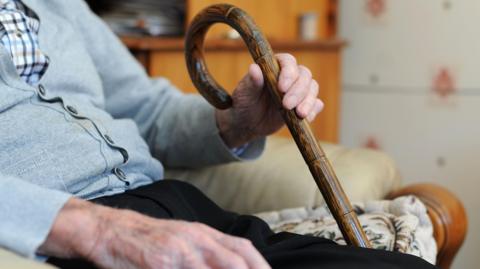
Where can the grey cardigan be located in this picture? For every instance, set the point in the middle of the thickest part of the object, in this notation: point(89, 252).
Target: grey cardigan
point(95, 107)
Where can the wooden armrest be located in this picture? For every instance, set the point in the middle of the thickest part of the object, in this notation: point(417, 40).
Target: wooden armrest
point(448, 217)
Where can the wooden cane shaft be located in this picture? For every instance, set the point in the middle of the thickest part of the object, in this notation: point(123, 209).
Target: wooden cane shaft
point(262, 54)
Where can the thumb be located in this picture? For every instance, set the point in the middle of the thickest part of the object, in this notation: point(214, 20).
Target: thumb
point(255, 75)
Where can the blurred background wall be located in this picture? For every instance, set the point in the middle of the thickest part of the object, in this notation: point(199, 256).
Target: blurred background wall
point(411, 87)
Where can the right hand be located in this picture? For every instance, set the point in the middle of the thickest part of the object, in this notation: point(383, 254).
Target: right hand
point(114, 238)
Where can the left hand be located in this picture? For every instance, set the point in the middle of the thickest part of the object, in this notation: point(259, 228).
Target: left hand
point(254, 113)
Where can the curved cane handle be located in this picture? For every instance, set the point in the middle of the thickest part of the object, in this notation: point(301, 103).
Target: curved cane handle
point(262, 54)
point(256, 42)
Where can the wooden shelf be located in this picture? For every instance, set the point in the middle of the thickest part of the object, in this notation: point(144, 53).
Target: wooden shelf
point(177, 44)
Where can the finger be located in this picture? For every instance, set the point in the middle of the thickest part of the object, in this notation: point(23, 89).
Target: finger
point(288, 71)
point(256, 76)
point(318, 107)
point(238, 245)
point(245, 249)
point(203, 244)
point(218, 256)
point(190, 260)
point(299, 89)
point(307, 105)
point(184, 254)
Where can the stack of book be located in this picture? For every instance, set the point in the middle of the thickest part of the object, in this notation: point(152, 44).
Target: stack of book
point(142, 17)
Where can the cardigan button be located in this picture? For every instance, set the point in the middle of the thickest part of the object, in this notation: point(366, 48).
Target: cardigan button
point(121, 175)
point(72, 110)
point(125, 155)
point(41, 90)
point(109, 139)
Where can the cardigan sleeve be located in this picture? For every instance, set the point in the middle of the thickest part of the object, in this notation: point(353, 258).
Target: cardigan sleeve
point(27, 212)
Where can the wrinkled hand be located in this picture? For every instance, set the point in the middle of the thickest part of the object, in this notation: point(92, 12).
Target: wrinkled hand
point(254, 113)
point(113, 238)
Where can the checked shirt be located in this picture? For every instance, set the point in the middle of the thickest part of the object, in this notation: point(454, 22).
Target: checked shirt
point(19, 36)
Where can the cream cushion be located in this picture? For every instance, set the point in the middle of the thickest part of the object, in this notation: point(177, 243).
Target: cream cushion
point(11, 261)
point(280, 178)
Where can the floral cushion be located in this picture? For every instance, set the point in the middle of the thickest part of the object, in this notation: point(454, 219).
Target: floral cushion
point(400, 225)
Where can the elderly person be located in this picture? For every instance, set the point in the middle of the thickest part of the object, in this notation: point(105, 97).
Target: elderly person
point(85, 135)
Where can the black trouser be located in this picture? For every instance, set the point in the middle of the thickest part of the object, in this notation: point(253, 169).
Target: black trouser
point(170, 199)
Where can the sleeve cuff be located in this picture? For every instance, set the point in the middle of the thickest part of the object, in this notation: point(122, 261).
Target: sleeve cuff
point(27, 212)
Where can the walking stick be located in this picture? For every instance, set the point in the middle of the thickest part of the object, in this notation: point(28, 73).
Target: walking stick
point(261, 52)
